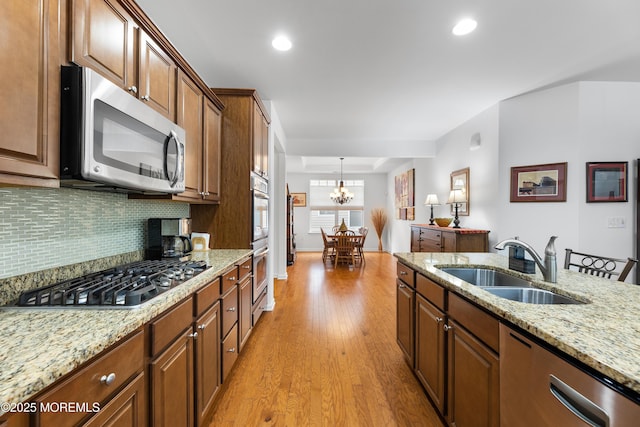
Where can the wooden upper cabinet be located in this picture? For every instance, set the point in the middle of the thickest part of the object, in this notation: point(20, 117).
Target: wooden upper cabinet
point(107, 39)
point(260, 142)
point(211, 147)
point(104, 39)
point(157, 77)
point(30, 87)
point(189, 116)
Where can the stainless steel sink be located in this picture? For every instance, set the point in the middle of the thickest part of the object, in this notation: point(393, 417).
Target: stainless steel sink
point(531, 295)
point(487, 278)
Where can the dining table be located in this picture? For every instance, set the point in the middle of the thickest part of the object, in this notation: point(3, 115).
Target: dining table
point(346, 248)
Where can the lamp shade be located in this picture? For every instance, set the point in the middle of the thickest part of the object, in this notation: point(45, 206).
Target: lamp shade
point(457, 195)
point(432, 199)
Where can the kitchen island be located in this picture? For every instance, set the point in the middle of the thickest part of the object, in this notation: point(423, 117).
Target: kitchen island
point(40, 345)
point(603, 333)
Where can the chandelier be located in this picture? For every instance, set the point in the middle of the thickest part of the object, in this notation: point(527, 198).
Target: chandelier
point(341, 195)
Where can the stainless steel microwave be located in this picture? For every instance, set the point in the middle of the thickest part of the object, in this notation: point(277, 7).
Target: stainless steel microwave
point(111, 141)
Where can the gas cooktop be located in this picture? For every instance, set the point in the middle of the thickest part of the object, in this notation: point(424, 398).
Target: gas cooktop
point(125, 286)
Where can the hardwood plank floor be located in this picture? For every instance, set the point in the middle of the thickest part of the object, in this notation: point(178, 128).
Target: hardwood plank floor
point(327, 355)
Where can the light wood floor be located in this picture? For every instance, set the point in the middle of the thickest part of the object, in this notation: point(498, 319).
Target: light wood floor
point(327, 355)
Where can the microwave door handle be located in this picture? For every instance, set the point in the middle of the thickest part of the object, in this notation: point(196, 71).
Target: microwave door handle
point(179, 156)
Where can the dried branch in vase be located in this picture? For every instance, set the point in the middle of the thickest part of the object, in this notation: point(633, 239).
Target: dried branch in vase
point(379, 220)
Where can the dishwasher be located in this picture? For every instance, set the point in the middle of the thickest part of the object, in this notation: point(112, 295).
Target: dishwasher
point(540, 388)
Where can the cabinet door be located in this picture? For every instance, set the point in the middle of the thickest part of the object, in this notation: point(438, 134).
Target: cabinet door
point(103, 38)
point(212, 154)
point(172, 385)
point(405, 317)
point(207, 360)
point(264, 131)
point(127, 409)
point(430, 350)
point(473, 398)
point(30, 87)
point(244, 318)
point(449, 243)
point(257, 139)
point(157, 77)
point(190, 104)
point(416, 239)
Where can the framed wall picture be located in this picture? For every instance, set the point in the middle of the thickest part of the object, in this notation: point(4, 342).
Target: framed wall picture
point(460, 180)
point(606, 182)
point(405, 194)
point(539, 183)
point(299, 200)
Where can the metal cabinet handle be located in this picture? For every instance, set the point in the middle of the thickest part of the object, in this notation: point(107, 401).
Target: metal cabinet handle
point(403, 273)
point(201, 327)
point(579, 405)
point(108, 379)
point(401, 286)
point(231, 309)
point(246, 267)
point(231, 350)
point(231, 278)
point(133, 89)
point(145, 98)
point(193, 335)
point(447, 328)
point(439, 319)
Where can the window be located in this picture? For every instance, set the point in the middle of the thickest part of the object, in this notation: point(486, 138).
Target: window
point(324, 213)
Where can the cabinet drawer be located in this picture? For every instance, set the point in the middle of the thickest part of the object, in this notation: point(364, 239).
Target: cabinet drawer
point(406, 274)
point(130, 404)
point(258, 307)
point(432, 235)
point(229, 352)
point(88, 385)
point(229, 279)
point(431, 291)
point(479, 323)
point(229, 310)
point(165, 329)
point(244, 269)
point(206, 296)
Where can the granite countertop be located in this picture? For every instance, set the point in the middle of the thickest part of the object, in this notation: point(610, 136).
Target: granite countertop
point(38, 346)
point(604, 333)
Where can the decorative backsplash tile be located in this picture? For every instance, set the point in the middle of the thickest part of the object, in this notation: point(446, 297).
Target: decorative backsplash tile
point(46, 228)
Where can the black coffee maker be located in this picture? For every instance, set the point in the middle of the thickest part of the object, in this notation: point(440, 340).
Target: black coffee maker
point(168, 238)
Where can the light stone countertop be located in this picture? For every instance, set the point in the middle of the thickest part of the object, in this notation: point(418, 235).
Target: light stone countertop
point(604, 334)
point(38, 346)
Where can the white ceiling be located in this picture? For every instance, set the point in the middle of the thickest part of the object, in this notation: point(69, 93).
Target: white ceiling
point(382, 79)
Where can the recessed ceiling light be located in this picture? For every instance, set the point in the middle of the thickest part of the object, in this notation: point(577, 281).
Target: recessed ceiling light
point(281, 43)
point(464, 27)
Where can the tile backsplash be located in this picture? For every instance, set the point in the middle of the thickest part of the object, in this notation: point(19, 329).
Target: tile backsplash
point(45, 228)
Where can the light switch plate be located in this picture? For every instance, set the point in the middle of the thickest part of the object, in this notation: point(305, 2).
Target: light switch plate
point(616, 222)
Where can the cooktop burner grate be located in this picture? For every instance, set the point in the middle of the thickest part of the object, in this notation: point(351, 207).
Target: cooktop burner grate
point(125, 286)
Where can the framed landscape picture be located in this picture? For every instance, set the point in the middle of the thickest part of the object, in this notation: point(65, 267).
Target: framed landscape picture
point(539, 183)
point(299, 200)
point(606, 182)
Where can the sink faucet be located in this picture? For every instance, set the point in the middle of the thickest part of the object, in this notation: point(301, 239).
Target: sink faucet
point(548, 267)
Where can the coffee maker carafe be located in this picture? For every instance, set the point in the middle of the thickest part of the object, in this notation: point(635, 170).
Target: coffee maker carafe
point(168, 238)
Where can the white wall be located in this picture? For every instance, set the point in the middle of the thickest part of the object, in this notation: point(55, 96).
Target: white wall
point(577, 123)
point(375, 196)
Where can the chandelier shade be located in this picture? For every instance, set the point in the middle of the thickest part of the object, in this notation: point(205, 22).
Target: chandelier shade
point(341, 195)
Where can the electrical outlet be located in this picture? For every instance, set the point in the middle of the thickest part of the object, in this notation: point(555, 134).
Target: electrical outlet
point(616, 222)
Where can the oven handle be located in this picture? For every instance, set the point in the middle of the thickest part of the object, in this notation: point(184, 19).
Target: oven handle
point(263, 253)
point(259, 194)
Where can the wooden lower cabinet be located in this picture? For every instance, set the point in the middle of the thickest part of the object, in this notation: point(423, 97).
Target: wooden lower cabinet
point(430, 238)
point(405, 301)
point(127, 409)
point(207, 368)
point(473, 380)
point(431, 350)
point(246, 308)
point(172, 386)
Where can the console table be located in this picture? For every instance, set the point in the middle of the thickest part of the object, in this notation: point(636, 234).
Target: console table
point(431, 238)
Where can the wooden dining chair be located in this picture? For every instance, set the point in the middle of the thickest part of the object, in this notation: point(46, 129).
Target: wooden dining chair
point(360, 243)
point(597, 265)
point(345, 248)
point(329, 250)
